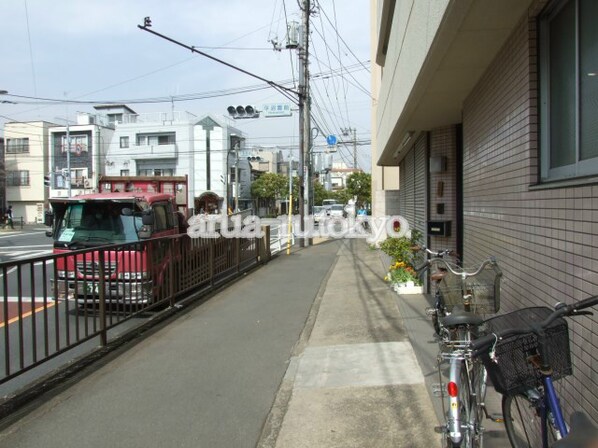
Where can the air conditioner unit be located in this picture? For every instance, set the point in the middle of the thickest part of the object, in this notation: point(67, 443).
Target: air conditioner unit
point(87, 183)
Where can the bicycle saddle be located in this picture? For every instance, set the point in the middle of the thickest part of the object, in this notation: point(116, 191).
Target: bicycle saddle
point(583, 433)
point(461, 317)
point(438, 275)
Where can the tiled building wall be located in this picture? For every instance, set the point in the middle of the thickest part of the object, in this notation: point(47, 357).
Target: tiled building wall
point(546, 240)
point(443, 185)
point(412, 192)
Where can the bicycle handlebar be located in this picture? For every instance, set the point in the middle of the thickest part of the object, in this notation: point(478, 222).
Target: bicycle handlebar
point(464, 273)
point(482, 344)
point(439, 254)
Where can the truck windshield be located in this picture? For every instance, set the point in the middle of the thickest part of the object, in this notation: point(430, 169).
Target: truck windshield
point(98, 222)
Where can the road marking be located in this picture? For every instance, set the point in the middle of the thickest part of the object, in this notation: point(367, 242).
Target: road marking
point(11, 233)
point(26, 299)
point(28, 313)
point(30, 246)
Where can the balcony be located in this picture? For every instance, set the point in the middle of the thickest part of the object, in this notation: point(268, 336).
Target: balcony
point(155, 151)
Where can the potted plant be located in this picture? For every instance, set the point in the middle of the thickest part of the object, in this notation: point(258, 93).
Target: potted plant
point(401, 274)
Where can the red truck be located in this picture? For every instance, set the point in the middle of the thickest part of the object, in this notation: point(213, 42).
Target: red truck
point(125, 211)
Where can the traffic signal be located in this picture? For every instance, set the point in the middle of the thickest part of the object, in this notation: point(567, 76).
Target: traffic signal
point(48, 180)
point(243, 112)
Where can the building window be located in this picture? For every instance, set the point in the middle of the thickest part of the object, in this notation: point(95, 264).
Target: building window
point(168, 138)
point(17, 178)
point(17, 146)
point(125, 173)
point(569, 90)
point(124, 142)
point(78, 177)
point(78, 144)
point(156, 172)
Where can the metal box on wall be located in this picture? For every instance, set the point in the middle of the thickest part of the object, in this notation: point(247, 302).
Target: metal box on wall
point(439, 228)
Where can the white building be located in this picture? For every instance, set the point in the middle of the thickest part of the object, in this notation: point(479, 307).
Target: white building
point(85, 155)
point(26, 161)
point(178, 144)
point(339, 174)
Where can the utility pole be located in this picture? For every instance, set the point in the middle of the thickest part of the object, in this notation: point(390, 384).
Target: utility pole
point(304, 122)
point(347, 132)
point(68, 159)
point(237, 144)
point(290, 208)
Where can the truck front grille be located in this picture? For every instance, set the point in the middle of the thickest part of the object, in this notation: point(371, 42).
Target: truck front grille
point(92, 268)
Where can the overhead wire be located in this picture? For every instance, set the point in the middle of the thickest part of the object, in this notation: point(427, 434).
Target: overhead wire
point(325, 78)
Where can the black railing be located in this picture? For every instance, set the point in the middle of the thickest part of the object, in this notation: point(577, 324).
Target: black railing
point(52, 304)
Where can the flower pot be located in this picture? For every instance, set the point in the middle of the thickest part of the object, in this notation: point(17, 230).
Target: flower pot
point(407, 288)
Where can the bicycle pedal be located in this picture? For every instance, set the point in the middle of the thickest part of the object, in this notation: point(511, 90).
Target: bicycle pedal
point(430, 311)
point(496, 418)
point(438, 389)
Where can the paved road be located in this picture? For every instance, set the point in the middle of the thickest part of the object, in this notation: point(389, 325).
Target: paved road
point(208, 379)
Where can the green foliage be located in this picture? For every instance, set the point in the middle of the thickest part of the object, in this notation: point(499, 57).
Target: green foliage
point(360, 185)
point(400, 249)
point(401, 272)
point(270, 186)
point(319, 193)
point(341, 196)
point(416, 237)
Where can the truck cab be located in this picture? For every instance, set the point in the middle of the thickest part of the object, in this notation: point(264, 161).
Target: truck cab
point(122, 218)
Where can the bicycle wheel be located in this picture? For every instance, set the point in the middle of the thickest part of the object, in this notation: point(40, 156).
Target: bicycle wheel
point(479, 387)
point(469, 411)
point(440, 311)
point(523, 421)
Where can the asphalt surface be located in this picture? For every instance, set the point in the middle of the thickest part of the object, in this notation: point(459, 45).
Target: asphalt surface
point(310, 350)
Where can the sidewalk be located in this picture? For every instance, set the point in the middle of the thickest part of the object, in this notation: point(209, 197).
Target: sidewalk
point(353, 379)
point(356, 382)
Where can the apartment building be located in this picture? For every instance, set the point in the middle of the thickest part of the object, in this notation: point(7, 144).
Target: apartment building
point(487, 108)
point(25, 163)
point(177, 144)
point(79, 148)
point(339, 174)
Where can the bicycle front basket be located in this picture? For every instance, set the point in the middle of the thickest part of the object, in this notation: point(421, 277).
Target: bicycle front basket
point(512, 372)
point(482, 291)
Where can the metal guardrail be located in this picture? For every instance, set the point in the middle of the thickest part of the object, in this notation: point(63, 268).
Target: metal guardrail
point(18, 222)
point(47, 310)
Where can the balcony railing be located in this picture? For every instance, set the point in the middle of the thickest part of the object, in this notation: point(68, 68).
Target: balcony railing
point(155, 151)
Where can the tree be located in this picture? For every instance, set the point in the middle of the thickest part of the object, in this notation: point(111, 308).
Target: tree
point(320, 193)
point(360, 185)
point(270, 187)
point(341, 196)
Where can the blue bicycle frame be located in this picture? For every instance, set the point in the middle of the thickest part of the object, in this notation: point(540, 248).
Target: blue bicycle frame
point(551, 402)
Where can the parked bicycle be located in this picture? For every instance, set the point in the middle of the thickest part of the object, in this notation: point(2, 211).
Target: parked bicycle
point(524, 352)
point(439, 308)
point(464, 297)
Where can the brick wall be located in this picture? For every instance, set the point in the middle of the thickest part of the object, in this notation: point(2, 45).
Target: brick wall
point(546, 240)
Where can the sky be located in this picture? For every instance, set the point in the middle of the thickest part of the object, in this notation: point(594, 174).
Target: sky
point(64, 57)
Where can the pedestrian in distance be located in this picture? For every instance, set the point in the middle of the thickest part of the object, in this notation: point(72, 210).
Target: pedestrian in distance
point(9, 220)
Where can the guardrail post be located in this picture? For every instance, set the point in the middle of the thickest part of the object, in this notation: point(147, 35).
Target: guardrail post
point(102, 297)
point(174, 259)
point(264, 245)
point(238, 253)
point(211, 251)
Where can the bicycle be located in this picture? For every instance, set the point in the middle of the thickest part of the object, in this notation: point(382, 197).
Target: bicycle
point(439, 309)
point(524, 352)
point(479, 292)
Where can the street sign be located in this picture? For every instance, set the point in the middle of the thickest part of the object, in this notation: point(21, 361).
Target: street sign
point(276, 110)
point(331, 140)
